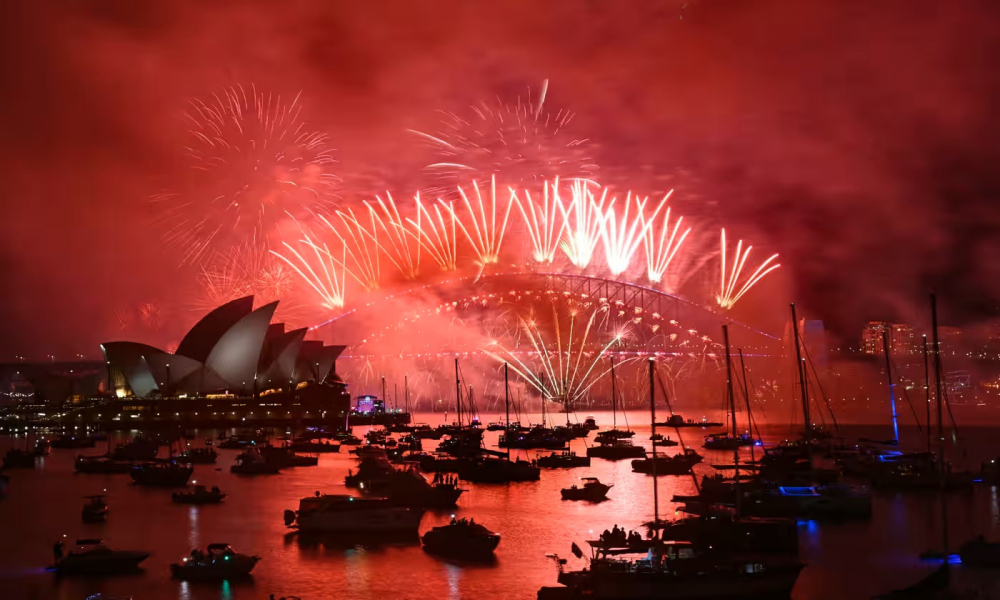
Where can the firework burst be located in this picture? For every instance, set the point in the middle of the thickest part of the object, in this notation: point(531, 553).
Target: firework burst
point(520, 142)
point(661, 249)
point(437, 236)
point(567, 371)
point(252, 160)
point(488, 231)
point(623, 234)
point(318, 268)
point(360, 245)
point(732, 285)
point(583, 224)
point(398, 247)
point(544, 221)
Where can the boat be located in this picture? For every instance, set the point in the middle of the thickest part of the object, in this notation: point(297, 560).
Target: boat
point(199, 495)
point(341, 514)
point(593, 490)
point(728, 441)
point(252, 462)
point(590, 423)
point(345, 438)
point(313, 447)
point(19, 459)
point(198, 456)
point(613, 434)
point(496, 427)
point(95, 510)
point(408, 487)
point(810, 502)
point(374, 474)
point(92, 557)
point(41, 448)
point(675, 571)
point(564, 459)
point(977, 552)
point(243, 439)
point(166, 474)
point(219, 562)
point(678, 464)
point(409, 443)
point(139, 448)
point(678, 421)
point(424, 432)
point(102, 464)
point(659, 440)
point(617, 449)
point(284, 457)
point(537, 437)
point(431, 462)
point(487, 469)
point(73, 442)
point(461, 538)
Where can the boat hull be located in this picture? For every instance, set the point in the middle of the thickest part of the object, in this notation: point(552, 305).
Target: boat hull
point(382, 520)
point(118, 562)
point(776, 583)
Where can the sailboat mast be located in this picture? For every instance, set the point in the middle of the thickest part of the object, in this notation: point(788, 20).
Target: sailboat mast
point(614, 396)
point(406, 393)
point(892, 391)
point(385, 400)
point(732, 409)
point(746, 396)
point(940, 428)
point(800, 371)
point(927, 391)
point(506, 404)
point(652, 422)
point(458, 394)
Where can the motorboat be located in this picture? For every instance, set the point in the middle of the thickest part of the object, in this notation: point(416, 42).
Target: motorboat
point(727, 441)
point(73, 442)
point(284, 457)
point(487, 469)
point(431, 462)
point(244, 439)
point(95, 510)
point(592, 490)
point(198, 456)
point(676, 570)
point(564, 459)
point(167, 474)
point(19, 459)
point(102, 464)
point(496, 427)
point(536, 437)
point(313, 447)
point(659, 440)
point(462, 538)
point(346, 439)
point(424, 432)
point(219, 562)
point(679, 421)
point(341, 514)
point(92, 557)
point(590, 423)
point(810, 502)
point(199, 494)
point(408, 487)
point(251, 462)
point(678, 464)
point(616, 449)
point(373, 475)
point(613, 434)
point(139, 448)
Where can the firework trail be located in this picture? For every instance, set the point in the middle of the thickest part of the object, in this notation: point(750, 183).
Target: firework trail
point(545, 224)
point(397, 235)
point(583, 224)
point(568, 372)
point(355, 241)
point(488, 233)
point(622, 236)
point(519, 142)
point(244, 271)
point(661, 249)
point(319, 270)
point(730, 287)
point(437, 237)
point(252, 161)
point(149, 314)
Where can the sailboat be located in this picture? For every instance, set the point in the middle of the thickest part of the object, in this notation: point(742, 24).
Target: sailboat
point(678, 464)
point(614, 443)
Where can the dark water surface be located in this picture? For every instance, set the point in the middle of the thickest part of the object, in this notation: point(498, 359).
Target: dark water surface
point(845, 560)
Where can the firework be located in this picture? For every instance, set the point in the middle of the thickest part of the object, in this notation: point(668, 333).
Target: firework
point(252, 161)
point(583, 224)
point(360, 244)
point(319, 270)
point(661, 249)
point(545, 223)
point(566, 373)
point(437, 236)
point(149, 314)
point(488, 232)
point(521, 142)
point(732, 286)
point(623, 235)
point(242, 271)
point(397, 245)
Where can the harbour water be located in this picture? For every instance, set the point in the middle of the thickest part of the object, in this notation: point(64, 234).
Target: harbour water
point(844, 560)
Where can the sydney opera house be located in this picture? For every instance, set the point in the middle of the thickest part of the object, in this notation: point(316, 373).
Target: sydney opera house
point(230, 363)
